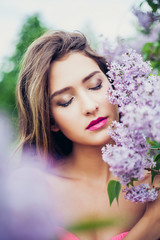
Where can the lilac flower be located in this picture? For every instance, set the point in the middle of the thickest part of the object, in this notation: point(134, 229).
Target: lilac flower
point(138, 42)
point(110, 52)
point(136, 91)
point(129, 157)
point(145, 19)
point(127, 78)
point(27, 203)
point(137, 94)
point(144, 115)
point(130, 167)
point(141, 193)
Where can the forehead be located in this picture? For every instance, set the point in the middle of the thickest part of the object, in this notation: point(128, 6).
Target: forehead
point(70, 69)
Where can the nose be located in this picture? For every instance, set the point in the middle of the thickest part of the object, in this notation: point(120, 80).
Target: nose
point(89, 105)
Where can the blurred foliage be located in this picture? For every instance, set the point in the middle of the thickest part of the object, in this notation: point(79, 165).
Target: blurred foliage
point(32, 29)
point(151, 50)
point(92, 224)
point(155, 5)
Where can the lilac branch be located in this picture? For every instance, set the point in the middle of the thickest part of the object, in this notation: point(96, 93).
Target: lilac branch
point(153, 170)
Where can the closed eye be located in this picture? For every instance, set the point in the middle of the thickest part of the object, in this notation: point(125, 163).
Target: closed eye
point(96, 87)
point(65, 104)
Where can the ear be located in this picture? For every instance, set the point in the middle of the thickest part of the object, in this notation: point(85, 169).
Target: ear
point(54, 128)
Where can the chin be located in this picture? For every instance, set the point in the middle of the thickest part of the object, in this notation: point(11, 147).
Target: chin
point(103, 141)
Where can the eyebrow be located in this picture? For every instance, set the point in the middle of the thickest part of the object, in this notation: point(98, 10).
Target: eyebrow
point(68, 88)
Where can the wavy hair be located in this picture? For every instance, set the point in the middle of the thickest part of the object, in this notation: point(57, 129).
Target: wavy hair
point(33, 101)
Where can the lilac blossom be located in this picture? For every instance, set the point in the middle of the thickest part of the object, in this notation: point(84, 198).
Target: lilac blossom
point(129, 156)
point(127, 78)
point(141, 193)
point(145, 19)
point(136, 91)
point(138, 42)
point(144, 113)
point(26, 206)
point(26, 200)
point(112, 52)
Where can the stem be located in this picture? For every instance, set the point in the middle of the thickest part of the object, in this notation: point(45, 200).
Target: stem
point(153, 170)
point(156, 188)
point(154, 148)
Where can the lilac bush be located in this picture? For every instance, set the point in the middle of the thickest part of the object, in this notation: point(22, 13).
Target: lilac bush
point(136, 91)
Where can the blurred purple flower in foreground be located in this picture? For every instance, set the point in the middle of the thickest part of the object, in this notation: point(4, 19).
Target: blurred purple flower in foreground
point(136, 92)
point(26, 199)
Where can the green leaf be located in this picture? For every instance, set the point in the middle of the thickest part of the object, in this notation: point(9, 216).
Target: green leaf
point(153, 174)
point(141, 4)
point(153, 5)
point(92, 224)
point(132, 182)
point(150, 142)
point(113, 189)
point(117, 190)
point(156, 145)
point(157, 158)
point(147, 47)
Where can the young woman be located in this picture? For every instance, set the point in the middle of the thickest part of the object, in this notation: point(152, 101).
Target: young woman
point(64, 115)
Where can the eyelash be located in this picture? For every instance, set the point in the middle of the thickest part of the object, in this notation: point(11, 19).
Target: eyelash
point(69, 102)
point(65, 104)
point(97, 87)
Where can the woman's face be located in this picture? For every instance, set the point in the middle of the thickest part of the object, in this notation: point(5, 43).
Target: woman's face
point(78, 100)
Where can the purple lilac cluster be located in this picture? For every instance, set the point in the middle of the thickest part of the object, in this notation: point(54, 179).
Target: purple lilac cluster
point(145, 114)
point(127, 77)
point(142, 193)
point(145, 19)
point(129, 156)
point(136, 91)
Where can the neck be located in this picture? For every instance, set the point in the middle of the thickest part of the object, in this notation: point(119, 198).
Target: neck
point(87, 163)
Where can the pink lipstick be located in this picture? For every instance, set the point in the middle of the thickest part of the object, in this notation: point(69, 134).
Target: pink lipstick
point(96, 124)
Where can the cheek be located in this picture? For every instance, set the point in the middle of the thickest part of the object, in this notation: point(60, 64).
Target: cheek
point(63, 118)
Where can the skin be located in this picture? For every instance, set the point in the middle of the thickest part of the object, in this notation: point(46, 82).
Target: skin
point(88, 100)
point(80, 182)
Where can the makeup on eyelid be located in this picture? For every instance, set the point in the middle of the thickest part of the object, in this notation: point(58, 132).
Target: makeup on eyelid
point(79, 87)
point(65, 104)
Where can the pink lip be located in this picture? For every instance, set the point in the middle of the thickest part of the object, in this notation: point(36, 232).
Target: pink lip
point(96, 124)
